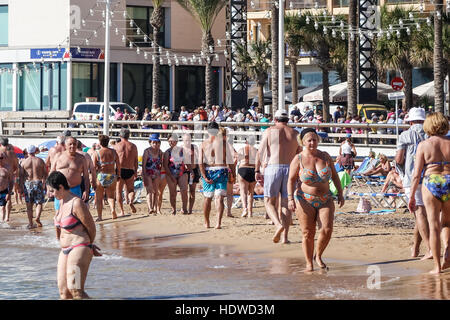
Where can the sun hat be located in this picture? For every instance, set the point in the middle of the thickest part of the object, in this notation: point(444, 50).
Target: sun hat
point(416, 114)
point(31, 149)
point(154, 137)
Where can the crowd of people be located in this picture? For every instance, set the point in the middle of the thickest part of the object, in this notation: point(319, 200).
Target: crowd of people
point(287, 168)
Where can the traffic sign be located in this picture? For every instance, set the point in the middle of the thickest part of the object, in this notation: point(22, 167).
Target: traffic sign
point(396, 95)
point(397, 83)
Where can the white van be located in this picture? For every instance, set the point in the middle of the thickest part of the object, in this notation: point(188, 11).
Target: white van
point(83, 110)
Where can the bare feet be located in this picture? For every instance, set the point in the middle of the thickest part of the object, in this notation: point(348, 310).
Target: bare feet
point(174, 212)
point(133, 208)
point(31, 226)
point(207, 226)
point(446, 262)
point(230, 216)
point(414, 252)
point(38, 222)
point(244, 213)
point(285, 242)
point(436, 270)
point(218, 227)
point(319, 261)
point(309, 268)
point(98, 219)
point(427, 256)
point(277, 236)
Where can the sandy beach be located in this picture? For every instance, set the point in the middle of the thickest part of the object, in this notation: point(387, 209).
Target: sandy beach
point(368, 238)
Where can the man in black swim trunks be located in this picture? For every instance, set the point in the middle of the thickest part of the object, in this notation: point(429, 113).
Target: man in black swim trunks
point(128, 158)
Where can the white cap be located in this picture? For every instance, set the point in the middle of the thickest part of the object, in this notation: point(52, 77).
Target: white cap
point(416, 114)
point(281, 113)
point(31, 149)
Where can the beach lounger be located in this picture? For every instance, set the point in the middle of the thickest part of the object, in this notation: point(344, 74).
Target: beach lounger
point(381, 199)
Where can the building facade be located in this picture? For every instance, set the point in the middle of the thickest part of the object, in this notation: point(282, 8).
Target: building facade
point(52, 54)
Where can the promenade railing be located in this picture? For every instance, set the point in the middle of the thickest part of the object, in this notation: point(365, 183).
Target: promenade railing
point(40, 128)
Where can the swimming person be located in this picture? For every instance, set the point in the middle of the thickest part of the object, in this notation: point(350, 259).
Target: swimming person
point(75, 231)
point(312, 199)
point(106, 162)
point(34, 188)
point(433, 162)
point(152, 161)
point(280, 144)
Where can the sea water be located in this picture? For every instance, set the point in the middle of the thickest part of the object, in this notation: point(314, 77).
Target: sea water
point(146, 267)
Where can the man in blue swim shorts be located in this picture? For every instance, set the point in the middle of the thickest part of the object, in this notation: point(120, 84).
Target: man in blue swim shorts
point(217, 168)
point(74, 167)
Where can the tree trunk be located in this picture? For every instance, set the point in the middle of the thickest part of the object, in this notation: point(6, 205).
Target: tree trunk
point(448, 88)
point(325, 95)
point(275, 57)
point(294, 79)
point(352, 83)
point(156, 73)
point(406, 72)
point(261, 96)
point(156, 21)
point(207, 41)
point(438, 61)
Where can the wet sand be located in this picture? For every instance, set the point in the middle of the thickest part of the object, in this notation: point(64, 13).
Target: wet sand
point(369, 239)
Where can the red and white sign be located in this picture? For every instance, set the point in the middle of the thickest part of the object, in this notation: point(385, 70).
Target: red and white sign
point(397, 83)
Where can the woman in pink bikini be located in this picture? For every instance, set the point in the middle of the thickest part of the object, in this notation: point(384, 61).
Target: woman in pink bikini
point(75, 230)
point(152, 162)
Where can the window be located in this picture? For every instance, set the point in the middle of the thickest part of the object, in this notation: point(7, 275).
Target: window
point(190, 84)
point(40, 86)
point(5, 87)
point(3, 25)
point(141, 17)
point(137, 85)
point(340, 3)
point(87, 81)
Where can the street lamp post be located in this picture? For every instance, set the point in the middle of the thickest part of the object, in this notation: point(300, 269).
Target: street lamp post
point(281, 87)
point(107, 60)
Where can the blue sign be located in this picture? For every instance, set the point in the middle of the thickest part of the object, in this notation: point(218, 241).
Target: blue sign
point(86, 53)
point(47, 53)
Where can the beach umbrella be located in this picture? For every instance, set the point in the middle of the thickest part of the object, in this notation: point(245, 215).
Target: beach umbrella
point(18, 152)
point(48, 144)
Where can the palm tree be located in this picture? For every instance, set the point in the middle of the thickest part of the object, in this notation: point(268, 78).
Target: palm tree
point(294, 40)
point(205, 12)
point(351, 62)
point(275, 55)
point(156, 21)
point(256, 62)
point(315, 40)
point(438, 59)
point(396, 52)
point(424, 46)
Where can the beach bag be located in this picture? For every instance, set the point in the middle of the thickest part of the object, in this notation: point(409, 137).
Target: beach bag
point(364, 206)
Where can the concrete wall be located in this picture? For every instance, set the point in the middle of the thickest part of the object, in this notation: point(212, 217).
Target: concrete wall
point(38, 24)
point(186, 33)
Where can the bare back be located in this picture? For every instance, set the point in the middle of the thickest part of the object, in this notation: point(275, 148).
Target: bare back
point(436, 149)
point(281, 143)
point(216, 153)
point(127, 153)
point(34, 168)
point(247, 156)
